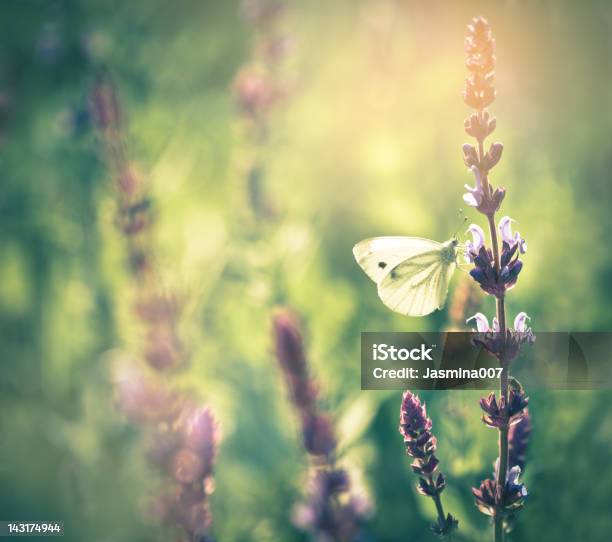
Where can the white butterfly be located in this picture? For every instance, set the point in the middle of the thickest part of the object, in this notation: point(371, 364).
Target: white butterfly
point(412, 273)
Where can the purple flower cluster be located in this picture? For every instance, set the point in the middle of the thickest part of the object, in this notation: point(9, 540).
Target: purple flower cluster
point(481, 195)
point(421, 444)
point(493, 499)
point(492, 280)
point(504, 346)
point(502, 413)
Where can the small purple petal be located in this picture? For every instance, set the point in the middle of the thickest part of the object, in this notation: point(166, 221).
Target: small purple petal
point(505, 229)
point(482, 322)
point(477, 178)
point(495, 325)
point(477, 274)
point(513, 272)
point(520, 322)
point(478, 238)
point(513, 475)
point(475, 195)
point(507, 253)
point(470, 200)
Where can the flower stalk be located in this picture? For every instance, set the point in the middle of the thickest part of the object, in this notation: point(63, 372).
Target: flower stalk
point(496, 270)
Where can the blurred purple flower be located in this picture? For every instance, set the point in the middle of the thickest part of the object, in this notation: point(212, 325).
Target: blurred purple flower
point(317, 429)
point(142, 398)
point(255, 92)
point(318, 433)
point(332, 511)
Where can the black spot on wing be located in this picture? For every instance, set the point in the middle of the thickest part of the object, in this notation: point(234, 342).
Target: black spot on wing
point(382, 265)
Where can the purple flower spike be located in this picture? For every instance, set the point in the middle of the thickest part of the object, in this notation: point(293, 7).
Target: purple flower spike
point(291, 356)
point(413, 417)
point(496, 269)
point(421, 444)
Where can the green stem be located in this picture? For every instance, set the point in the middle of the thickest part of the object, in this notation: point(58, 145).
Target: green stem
point(438, 502)
point(503, 431)
point(499, 531)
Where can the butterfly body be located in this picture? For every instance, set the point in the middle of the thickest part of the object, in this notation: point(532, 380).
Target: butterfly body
point(449, 251)
point(412, 273)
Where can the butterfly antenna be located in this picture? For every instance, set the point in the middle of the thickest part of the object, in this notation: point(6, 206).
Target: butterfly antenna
point(461, 224)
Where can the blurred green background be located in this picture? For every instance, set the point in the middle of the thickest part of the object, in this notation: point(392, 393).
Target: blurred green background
point(367, 143)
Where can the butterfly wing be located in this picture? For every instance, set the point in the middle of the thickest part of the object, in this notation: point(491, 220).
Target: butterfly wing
point(377, 256)
point(418, 285)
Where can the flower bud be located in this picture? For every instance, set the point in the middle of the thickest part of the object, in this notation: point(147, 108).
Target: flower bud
point(470, 156)
point(492, 157)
